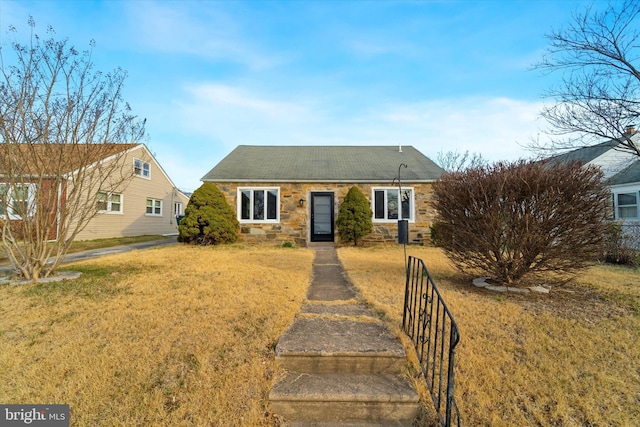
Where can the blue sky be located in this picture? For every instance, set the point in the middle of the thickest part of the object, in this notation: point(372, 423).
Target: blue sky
point(210, 75)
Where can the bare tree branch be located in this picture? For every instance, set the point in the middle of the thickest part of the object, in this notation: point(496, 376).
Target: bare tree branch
point(599, 94)
point(64, 132)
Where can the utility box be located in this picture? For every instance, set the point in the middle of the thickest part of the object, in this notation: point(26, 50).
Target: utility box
point(403, 232)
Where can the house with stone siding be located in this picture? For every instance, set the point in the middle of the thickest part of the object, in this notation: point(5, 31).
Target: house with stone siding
point(293, 193)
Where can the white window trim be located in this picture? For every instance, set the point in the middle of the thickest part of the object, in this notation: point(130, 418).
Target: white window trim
point(109, 210)
point(142, 164)
point(153, 207)
point(31, 188)
point(617, 206)
point(256, 221)
point(412, 215)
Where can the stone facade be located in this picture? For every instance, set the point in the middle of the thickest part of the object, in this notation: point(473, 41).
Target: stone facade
point(294, 223)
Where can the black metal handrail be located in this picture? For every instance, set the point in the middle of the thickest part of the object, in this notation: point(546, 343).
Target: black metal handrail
point(430, 325)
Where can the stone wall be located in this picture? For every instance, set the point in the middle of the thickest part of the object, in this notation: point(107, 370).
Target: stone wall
point(294, 219)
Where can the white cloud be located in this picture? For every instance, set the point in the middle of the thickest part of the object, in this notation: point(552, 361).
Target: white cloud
point(231, 115)
point(201, 30)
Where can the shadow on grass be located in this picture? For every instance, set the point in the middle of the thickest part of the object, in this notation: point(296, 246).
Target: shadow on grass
point(97, 282)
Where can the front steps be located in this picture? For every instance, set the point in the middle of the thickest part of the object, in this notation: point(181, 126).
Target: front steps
point(343, 367)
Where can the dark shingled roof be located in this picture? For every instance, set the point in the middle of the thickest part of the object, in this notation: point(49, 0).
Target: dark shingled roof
point(323, 163)
point(584, 154)
point(628, 175)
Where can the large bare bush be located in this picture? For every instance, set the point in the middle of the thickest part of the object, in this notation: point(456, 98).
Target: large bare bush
point(515, 219)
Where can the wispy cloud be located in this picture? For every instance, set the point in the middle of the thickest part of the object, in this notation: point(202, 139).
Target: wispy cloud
point(202, 30)
point(227, 115)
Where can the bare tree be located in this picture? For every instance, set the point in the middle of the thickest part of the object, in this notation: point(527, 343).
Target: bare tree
point(452, 161)
point(64, 132)
point(599, 94)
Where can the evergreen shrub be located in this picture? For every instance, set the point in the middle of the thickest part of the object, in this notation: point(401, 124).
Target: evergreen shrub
point(355, 217)
point(208, 218)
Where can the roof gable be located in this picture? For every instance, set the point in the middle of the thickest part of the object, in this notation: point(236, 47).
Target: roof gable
point(323, 163)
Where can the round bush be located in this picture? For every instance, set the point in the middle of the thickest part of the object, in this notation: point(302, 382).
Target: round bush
point(208, 219)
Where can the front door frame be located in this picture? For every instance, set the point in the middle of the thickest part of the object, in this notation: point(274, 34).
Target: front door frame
point(322, 237)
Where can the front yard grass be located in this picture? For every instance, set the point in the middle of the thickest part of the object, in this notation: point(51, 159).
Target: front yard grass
point(176, 335)
point(569, 358)
point(184, 336)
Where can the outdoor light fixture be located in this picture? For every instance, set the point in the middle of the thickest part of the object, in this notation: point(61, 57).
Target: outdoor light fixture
point(301, 202)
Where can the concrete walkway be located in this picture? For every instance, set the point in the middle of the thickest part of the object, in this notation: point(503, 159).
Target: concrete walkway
point(343, 365)
point(96, 253)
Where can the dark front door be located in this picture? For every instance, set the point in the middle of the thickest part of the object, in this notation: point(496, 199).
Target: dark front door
point(322, 217)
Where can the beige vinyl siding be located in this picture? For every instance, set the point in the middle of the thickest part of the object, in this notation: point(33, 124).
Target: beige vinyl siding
point(133, 221)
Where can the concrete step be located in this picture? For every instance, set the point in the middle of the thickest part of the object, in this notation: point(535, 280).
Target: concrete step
point(359, 399)
point(320, 345)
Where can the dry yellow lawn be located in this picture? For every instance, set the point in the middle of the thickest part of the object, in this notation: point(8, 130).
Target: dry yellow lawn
point(175, 336)
point(570, 358)
point(184, 335)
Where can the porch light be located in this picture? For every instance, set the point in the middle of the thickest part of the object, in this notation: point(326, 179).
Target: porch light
point(301, 202)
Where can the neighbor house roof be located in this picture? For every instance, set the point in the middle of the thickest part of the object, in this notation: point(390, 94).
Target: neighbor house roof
point(249, 163)
point(51, 159)
point(629, 175)
point(585, 155)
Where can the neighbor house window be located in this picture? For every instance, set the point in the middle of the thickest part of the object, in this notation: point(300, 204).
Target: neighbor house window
point(17, 200)
point(258, 204)
point(141, 168)
point(387, 200)
point(627, 205)
point(109, 202)
point(177, 209)
point(154, 207)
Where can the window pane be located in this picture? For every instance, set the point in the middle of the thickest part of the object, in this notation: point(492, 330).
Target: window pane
point(406, 204)
point(137, 167)
point(115, 202)
point(3, 207)
point(258, 205)
point(149, 206)
point(245, 204)
point(627, 199)
point(158, 207)
point(101, 201)
point(392, 204)
point(272, 204)
point(628, 212)
point(145, 170)
point(19, 203)
point(379, 204)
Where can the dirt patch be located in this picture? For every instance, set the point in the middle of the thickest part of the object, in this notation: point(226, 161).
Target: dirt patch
point(571, 301)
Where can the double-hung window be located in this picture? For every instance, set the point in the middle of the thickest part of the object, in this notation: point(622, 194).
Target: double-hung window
point(109, 202)
point(17, 200)
point(258, 204)
point(141, 168)
point(627, 205)
point(389, 202)
point(154, 207)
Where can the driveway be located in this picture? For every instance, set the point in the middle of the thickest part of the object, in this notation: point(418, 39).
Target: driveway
point(96, 253)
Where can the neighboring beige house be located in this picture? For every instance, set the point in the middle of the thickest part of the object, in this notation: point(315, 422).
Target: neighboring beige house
point(293, 193)
point(150, 203)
